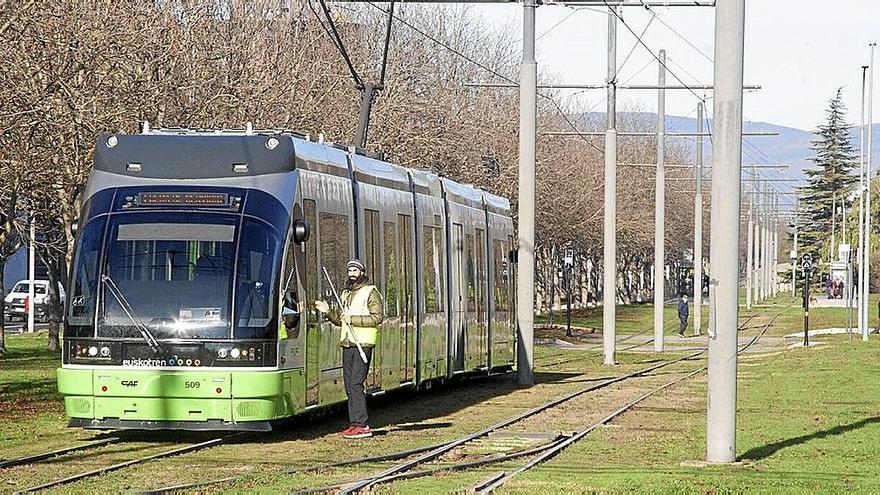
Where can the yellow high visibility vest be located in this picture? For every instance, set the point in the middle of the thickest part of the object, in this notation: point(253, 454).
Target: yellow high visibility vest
point(358, 305)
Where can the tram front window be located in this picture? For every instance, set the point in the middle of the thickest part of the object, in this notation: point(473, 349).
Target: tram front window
point(172, 276)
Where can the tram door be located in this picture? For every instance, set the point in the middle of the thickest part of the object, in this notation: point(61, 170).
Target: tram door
point(313, 319)
point(372, 260)
point(458, 287)
point(481, 299)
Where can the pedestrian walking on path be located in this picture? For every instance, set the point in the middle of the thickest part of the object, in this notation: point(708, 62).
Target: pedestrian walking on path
point(682, 315)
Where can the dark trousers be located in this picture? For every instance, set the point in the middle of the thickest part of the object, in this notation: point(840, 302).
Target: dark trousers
point(682, 324)
point(354, 372)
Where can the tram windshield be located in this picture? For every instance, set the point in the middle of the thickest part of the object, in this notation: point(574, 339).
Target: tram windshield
point(184, 276)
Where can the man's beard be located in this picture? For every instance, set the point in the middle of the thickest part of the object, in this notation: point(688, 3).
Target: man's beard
point(351, 282)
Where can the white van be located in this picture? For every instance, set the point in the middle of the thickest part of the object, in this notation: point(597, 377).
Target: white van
point(15, 303)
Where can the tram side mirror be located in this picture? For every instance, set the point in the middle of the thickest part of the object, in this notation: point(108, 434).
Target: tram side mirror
point(512, 255)
point(301, 231)
point(74, 227)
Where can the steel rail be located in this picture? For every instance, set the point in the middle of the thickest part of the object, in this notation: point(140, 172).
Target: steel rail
point(419, 450)
point(444, 469)
point(494, 482)
point(367, 482)
point(498, 480)
point(115, 467)
point(629, 337)
point(305, 469)
point(30, 459)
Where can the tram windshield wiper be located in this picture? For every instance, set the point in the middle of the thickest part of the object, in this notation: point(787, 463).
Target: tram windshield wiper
point(129, 311)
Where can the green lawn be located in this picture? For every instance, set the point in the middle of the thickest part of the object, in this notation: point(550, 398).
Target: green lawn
point(809, 421)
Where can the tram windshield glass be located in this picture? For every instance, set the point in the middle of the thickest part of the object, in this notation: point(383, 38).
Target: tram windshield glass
point(183, 275)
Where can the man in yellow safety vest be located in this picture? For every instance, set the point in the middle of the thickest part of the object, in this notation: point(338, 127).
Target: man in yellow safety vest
point(360, 316)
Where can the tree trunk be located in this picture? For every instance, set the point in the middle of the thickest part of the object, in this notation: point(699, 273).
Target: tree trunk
point(2, 308)
point(53, 306)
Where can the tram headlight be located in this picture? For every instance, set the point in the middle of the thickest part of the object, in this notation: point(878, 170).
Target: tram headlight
point(221, 353)
point(234, 353)
point(112, 141)
point(105, 351)
point(272, 143)
point(93, 351)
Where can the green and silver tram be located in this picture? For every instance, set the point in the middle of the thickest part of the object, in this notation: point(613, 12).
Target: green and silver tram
point(199, 257)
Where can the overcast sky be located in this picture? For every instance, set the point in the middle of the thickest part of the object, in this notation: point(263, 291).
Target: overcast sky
point(800, 51)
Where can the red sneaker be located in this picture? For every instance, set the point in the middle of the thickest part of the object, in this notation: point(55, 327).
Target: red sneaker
point(346, 431)
point(357, 432)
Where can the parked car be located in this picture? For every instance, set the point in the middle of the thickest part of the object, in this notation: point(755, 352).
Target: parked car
point(15, 305)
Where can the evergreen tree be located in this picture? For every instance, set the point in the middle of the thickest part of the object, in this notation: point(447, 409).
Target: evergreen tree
point(829, 183)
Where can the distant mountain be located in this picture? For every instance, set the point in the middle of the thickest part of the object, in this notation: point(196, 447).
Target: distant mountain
point(790, 147)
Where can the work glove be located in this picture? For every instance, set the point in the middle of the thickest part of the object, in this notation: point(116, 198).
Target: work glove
point(322, 306)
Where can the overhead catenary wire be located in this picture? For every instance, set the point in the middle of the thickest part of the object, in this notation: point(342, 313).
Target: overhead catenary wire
point(653, 54)
point(337, 40)
point(482, 66)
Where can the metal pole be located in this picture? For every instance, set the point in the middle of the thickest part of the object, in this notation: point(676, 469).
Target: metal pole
point(698, 228)
point(609, 254)
point(794, 258)
point(774, 252)
point(750, 256)
point(866, 286)
point(525, 303)
point(766, 278)
point(724, 230)
point(761, 237)
point(660, 208)
point(369, 92)
point(32, 276)
point(757, 238)
point(807, 274)
point(860, 258)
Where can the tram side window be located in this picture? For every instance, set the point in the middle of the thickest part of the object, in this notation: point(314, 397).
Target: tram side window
point(469, 271)
point(258, 255)
point(405, 240)
point(334, 246)
point(392, 279)
point(85, 276)
point(433, 269)
point(311, 261)
point(481, 273)
point(371, 244)
point(500, 272)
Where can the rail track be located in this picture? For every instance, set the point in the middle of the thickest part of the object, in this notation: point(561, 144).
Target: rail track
point(422, 455)
point(418, 457)
point(540, 454)
point(570, 359)
point(37, 458)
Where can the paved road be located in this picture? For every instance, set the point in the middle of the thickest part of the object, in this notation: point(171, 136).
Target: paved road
point(19, 327)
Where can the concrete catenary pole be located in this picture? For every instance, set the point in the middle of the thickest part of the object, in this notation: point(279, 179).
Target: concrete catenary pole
point(724, 237)
point(794, 261)
point(698, 227)
point(761, 239)
point(774, 251)
point(660, 208)
point(756, 293)
point(866, 286)
point(860, 256)
point(765, 278)
point(525, 303)
point(750, 259)
point(609, 254)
